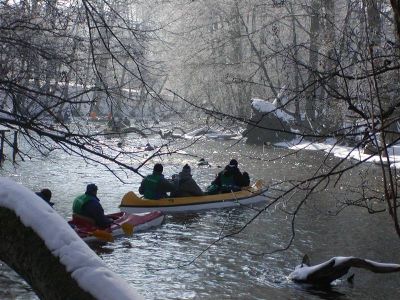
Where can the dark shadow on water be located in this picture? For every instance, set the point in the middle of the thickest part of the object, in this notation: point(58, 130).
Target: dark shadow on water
point(101, 248)
point(324, 292)
point(11, 284)
point(183, 219)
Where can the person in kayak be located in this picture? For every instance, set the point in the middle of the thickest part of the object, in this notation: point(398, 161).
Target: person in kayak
point(185, 185)
point(231, 179)
point(155, 186)
point(88, 205)
point(126, 122)
point(45, 194)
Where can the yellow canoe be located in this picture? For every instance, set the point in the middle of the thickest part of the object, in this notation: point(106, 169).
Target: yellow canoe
point(254, 194)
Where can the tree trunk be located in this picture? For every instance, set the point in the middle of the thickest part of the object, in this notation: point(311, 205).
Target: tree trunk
point(313, 61)
point(25, 252)
point(374, 22)
point(296, 59)
point(396, 15)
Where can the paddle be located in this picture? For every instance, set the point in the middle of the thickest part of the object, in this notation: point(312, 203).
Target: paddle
point(102, 235)
point(127, 228)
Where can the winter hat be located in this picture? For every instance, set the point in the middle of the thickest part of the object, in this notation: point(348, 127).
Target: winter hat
point(158, 168)
point(186, 168)
point(90, 188)
point(233, 163)
point(46, 193)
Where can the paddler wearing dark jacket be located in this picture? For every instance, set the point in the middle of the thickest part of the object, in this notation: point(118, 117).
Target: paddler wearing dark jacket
point(88, 205)
point(155, 186)
point(186, 186)
point(45, 194)
point(231, 178)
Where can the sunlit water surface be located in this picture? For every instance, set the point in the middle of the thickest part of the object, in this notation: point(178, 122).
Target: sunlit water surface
point(178, 260)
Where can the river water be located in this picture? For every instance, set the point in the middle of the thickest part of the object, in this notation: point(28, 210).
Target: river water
point(175, 261)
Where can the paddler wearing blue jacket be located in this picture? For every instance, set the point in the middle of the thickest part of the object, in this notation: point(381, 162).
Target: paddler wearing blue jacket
point(155, 186)
point(88, 205)
point(45, 194)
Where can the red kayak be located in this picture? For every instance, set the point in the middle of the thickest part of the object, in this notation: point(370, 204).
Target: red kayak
point(124, 224)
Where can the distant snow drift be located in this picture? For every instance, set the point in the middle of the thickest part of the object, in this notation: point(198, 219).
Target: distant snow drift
point(91, 274)
point(332, 147)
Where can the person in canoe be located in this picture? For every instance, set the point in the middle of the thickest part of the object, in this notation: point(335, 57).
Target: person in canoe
point(45, 194)
point(185, 185)
point(88, 205)
point(126, 122)
point(155, 186)
point(230, 179)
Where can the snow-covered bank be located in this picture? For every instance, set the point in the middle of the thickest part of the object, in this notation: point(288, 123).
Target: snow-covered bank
point(209, 133)
point(91, 274)
point(331, 146)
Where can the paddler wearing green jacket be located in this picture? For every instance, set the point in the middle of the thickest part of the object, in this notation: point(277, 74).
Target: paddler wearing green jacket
point(155, 186)
point(231, 179)
point(88, 205)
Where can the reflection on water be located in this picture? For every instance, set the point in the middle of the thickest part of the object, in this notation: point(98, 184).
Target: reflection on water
point(184, 219)
point(12, 286)
point(170, 262)
point(322, 293)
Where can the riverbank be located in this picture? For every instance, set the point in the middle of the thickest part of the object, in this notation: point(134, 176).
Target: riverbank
point(332, 147)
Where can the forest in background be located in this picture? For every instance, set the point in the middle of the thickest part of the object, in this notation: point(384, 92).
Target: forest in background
point(334, 62)
point(332, 65)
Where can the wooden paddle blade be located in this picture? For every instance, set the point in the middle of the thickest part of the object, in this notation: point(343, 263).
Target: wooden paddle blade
point(127, 228)
point(103, 235)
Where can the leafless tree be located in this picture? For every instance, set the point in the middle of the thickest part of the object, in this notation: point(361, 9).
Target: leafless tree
point(337, 63)
point(65, 66)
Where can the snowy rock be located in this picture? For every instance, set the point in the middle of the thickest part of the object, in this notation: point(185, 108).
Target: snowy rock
point(268, 124)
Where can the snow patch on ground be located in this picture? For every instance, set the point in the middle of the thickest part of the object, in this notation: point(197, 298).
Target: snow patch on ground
point(331, 146)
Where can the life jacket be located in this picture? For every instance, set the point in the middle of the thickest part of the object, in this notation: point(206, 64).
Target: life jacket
point(228, 183)
point(79, 202)
point(151, 184)
point(227, 180)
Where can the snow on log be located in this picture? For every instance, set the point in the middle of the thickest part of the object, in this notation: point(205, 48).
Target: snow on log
point(40, 245)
